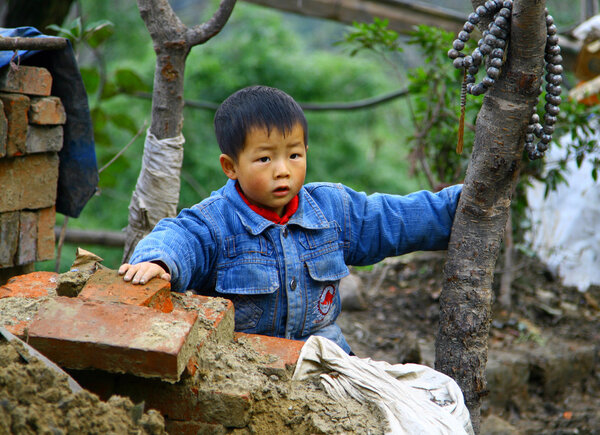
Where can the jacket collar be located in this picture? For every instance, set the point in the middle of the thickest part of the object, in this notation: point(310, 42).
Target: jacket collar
point(308, 215)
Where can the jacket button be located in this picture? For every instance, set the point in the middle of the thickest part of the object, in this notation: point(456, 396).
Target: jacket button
point(285, 231)
point(293, 284)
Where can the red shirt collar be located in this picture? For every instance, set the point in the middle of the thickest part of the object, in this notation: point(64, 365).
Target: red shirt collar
point(290, 209)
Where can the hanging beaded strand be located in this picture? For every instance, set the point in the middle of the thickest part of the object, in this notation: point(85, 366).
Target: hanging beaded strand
point(493, 44)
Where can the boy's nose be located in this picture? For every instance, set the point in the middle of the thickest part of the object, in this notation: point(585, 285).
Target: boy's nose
point(281, 170)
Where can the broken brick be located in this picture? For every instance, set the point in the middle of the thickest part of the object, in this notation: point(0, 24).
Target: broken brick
point(47, 111)
point(16, 107)
point(108, 286)
point(3, 130)
point(28, 182)
point(114, 337)
point(27, 249)
point(45, 233)
point(43, 139)
point(286, 351)
point(30, 80)
point(9, 237)
point(31, 285)
point(217, 314)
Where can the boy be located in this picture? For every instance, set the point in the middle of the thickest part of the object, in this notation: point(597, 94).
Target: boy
point(274, 246)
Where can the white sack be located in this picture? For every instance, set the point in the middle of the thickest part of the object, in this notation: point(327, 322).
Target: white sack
point(416, 399)
point(565, 230)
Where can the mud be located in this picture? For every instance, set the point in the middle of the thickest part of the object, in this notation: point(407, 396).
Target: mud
point(544, 350)
point(35, 400)
point(280, 405)
point(17, 310)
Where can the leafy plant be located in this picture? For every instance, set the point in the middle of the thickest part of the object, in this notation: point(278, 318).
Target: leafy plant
point(434, 100)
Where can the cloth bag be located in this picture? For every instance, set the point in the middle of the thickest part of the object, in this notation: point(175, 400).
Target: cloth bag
point(415, 398)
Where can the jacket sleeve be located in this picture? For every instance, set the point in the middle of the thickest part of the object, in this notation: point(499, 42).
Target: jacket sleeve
point(381, 225)
point(185, 244)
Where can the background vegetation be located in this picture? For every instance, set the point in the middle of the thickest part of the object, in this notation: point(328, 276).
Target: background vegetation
point(371, 150)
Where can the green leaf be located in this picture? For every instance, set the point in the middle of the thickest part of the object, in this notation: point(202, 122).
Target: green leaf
point(91, 79)
point(129, 81)
point(110, 90)
point(124, 121)
point(98, 32)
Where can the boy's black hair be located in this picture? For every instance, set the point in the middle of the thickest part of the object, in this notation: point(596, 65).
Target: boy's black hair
point(255, 106)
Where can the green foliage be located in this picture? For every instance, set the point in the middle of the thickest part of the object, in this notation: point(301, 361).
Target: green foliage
point(433, 100)
point(372, 36)
point(435, 94)
point(93, 34)
point(364, 149)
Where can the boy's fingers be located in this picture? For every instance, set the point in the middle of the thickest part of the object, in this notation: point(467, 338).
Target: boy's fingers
point(166, 277)
point(123, 268)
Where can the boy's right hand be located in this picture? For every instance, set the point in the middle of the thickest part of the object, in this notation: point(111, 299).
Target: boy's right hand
point(141, 273)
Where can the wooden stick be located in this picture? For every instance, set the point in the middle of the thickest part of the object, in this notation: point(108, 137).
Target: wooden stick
point(19, 43)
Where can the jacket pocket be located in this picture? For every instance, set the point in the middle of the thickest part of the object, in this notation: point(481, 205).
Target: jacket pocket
point(247, 267)
point(247, 313)
point(327, 267)
point(247, 279)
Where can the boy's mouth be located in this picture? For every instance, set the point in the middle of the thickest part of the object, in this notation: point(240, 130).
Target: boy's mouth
point(281, 191)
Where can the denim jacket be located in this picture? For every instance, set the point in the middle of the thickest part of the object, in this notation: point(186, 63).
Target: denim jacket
point(284, 279)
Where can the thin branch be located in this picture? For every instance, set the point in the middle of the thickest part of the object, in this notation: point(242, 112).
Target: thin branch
point(92, 237)
point(111, 161)
point(352, 105)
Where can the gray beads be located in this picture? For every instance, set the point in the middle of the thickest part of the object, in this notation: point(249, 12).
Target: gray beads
point(492, 44)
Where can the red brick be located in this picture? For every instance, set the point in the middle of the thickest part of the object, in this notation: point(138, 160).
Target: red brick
point(9, 238)
point(43, 139)
point(3, 130)
point(115, 337)
point(30, 80)
point(176, 401)
point(27, 249)
point(216, 312)
point(32, 285)
point(108, 286)
point(28, 182)
point(45, 233)
point(47, 111)
point(188, 401)
point(217, 315)
point(16, 107)
point(287, 351)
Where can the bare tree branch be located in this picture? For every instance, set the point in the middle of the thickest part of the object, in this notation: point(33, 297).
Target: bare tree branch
point(202, 33)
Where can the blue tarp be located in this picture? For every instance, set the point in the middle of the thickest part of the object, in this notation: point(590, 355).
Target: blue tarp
point(78, 170)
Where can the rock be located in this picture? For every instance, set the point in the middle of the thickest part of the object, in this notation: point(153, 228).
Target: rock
point(351, 293)
point(494, 425)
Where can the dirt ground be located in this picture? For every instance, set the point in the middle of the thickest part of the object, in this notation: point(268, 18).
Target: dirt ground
point(34, 400)
point(547, 319)
point(398, 323)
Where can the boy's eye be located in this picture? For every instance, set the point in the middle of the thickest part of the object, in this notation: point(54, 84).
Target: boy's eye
point(263, 159)
point(295, 156)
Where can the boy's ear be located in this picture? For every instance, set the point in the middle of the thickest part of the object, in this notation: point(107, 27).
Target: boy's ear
point(228, 166)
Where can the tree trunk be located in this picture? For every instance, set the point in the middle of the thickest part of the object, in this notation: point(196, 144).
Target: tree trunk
point(157, 189)
point(465, 302)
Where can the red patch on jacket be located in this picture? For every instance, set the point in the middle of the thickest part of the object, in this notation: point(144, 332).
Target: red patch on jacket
point(326, 299)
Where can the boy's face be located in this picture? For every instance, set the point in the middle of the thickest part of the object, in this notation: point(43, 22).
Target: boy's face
point(271, 168)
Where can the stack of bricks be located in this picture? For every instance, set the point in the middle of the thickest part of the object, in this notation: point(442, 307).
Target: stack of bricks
point(141, 341)
point(31, 134)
